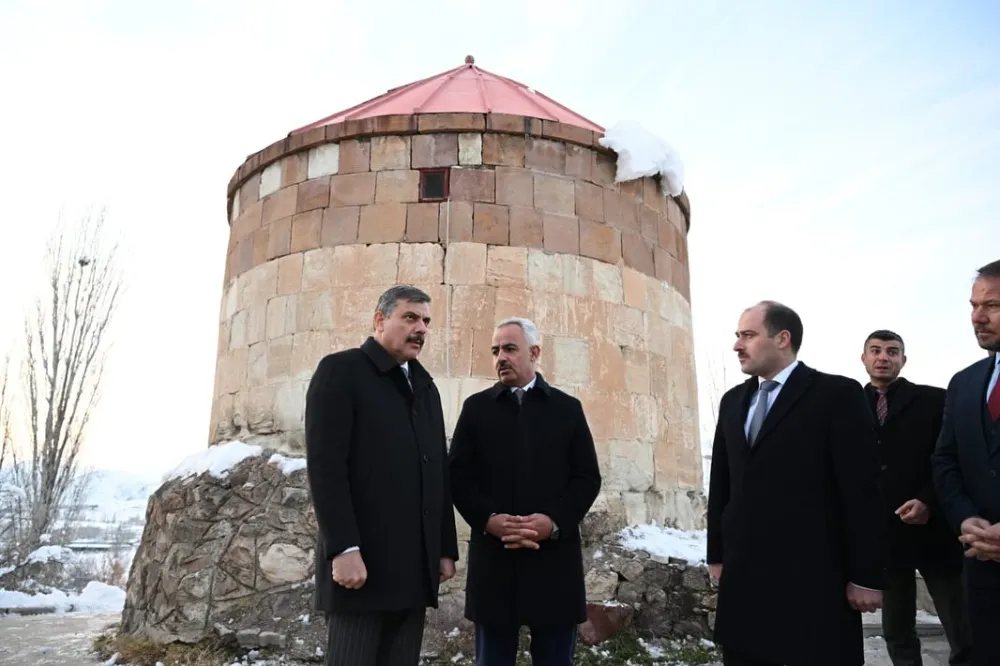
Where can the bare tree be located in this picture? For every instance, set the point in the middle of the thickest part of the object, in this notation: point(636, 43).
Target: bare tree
point(11, 496)
point(66, 344)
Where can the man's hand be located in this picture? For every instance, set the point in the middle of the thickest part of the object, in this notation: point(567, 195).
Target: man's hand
point(527, 531)
point(447, 569)
point(982, 539)
point(349, 570)
point(866, 601)
point(913, 512)
point(715, 571)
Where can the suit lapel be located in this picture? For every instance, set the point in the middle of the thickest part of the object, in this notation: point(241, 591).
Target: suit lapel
point(902, 396)
point(749, 389)
point(982, 413)
point(790, 393)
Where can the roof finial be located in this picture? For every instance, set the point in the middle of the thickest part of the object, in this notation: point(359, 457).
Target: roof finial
point(469, 60)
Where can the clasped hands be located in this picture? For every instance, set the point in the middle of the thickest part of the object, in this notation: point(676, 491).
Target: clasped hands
point(982, 539)
point(520, 531)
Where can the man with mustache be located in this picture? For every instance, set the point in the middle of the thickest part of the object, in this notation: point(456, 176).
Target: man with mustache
point(378, 473)
point(966, 467)
point(908, 418)
point(524, 473)
point(795, 534)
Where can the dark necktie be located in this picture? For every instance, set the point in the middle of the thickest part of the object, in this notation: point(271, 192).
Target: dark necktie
point(881, 406)
point(406, 373)
point(993, 403)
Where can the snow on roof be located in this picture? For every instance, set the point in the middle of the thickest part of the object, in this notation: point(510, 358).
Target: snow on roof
point(643, 154)
point(217, 460)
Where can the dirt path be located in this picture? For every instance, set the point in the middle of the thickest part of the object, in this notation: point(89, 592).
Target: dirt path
point(51, 640)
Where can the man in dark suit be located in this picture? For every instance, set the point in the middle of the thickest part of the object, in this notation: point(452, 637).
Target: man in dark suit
point(966, 467)
point(524, 473)
point(908, 418)
point(795, 536)
point(378, 472)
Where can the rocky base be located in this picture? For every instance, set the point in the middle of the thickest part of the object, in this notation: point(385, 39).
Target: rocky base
point(227, 557)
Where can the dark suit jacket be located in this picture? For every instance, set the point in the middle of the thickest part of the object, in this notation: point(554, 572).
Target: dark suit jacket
point(794, 520)
point(538, 457)
point(906, 443)
point(378, 473)
point(967, 458)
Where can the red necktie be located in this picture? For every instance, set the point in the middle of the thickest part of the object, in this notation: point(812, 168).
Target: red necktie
point(881, 406)
point(993, 403)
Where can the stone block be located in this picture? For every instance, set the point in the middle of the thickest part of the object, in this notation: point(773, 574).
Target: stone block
point(313, 194)
point(662, 266)
point(648, 221)
point(256, 328)
point(579, 162)
point(545, 155)
point(390, 152)
point(307, 349)
point(258, 251)
point(653, 196)
point(279, 238)
point(294, 169)
point(279, 359)
point(636, 370)
point(290, 274)
point(490, 224)
point(340, 226)
point(545, 271)
point(279, 205)
point(270, 179)
point(511, 302)
point(472, 306)
point(607, 365)
point(630, 465)
point(482, 355)
point(600, 241)
point(585, 316)
point(422, 221)
point(356, 311)
point(515, 187)
point(434, 150)
point(621, 212)
point(548, 311)
point(604, 169)
point(455, 221)
point(470, 149)
point(237, 332)
point(382, 223)
point(258, 285)
point(399, 186)
point(631, 190)
point(317, 269)
point(577, 275)
point(472, 184)
point(676, 216)
point(257, 365)
point(667, 235)
point(355, 155)
point(249, 221)
point(465, 263)
point(290, 405)
point(434, 122)
point(554, 195)
point(589, 201)
point(281, 316)
point(315, 311)
point(503, 150)
point(448, 353)
point(421, 263)
point(356, 189)
point(306, 231)
point(526, 228)
point(571, 358)
point(368, 265)
point(561, 233)
point(637, 252)
point(634, 288)
point(323, 160)
point(608, 283)
point(507, 266)
point(629, 327)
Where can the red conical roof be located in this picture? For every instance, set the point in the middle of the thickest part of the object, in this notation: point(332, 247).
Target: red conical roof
point(465, 89)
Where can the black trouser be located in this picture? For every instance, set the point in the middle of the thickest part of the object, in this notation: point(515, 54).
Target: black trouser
point(375, 639)
point(733, 658)
point(899, 611)
point(983, 589)
point(550, 646)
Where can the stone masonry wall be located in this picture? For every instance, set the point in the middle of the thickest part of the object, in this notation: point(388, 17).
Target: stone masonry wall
point(535, 227)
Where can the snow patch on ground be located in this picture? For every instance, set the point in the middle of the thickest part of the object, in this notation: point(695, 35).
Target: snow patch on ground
point(216, 460)
point(51, 553)
point(641, 153)
point(287, 465)
point(95, 598)
point(666, 542)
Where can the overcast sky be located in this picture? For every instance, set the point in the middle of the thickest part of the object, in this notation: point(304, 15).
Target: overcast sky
point(840, 157)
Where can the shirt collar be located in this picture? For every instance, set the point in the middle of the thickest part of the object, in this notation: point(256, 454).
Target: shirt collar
point(782, 377)
point(527, 386)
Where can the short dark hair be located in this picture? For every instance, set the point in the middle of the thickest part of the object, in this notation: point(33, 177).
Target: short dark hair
point(391, 297)
point(885, 335)
point(990, 270)
point(778, 317)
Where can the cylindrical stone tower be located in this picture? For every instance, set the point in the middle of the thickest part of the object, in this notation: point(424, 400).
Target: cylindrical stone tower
point(498, 202)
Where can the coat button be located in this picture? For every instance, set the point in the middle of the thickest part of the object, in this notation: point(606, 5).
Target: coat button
point(993, 473)
point(425, 457)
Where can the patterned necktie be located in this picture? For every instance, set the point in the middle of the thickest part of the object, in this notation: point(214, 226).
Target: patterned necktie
point(519, 394)
point(881, 406)
point(406, 373)
point(993, 403)
point(760, 410)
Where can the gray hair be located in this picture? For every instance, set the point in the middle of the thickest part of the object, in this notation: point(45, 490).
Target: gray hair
point(528, 326)
point(391, 297)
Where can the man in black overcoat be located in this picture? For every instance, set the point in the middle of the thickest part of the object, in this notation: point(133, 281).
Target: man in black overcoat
point(795, 536)
point(908, 420)
point(966, 467)
point(524, 474)
point(378, 473)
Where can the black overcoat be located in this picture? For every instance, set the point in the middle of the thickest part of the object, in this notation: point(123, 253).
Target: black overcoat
point(378, 474)
point(906, 443)
point(794, 520)
point(538, 457)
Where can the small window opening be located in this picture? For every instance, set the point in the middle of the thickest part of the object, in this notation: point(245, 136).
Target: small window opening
point(433, 184)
